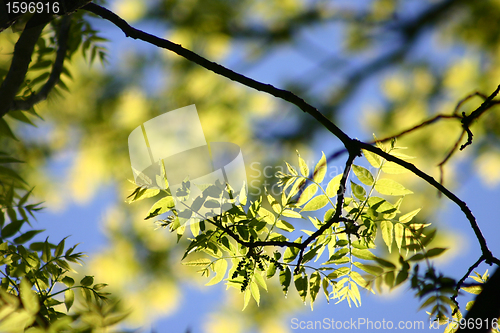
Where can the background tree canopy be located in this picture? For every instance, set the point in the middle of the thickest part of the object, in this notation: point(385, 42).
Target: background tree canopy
point(381, 67)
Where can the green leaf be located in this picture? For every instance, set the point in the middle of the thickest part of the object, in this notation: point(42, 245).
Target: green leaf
point(304, 169)
point(316, 203)
point(476, 290)
point(429, 301)
point(309, 255)
point(354, 293)
point(68, 281)
point(385, 263)
point(291, 213)
point(246, 298)
point(5, 130)
point(314, 286)
point(285, 226)
point(142, 193)
point(363, 175)
point(358, 191)
point(198, 262)
point(220, 268)
point(356, 277)
point(393, 168)
point(299, 182)
point(254, 289)
point(161, 206)
point(291, 253)
point(11, 228)
point(435, 252)
point(271, 270)
point(27, 236)
point(19, 115)
point(402, 276)
point(285, 278)
point(387, 230)
point(399, 233)
point(417, 257)
point(243, 195)
point(333, 186)
point(325, 289)
point(29, 298)
point(320, 169)
point(60, 248)
point(381, 205)
point(370, 269)
point(300, 281)
point(308, 193)
point(390, 187)
point(362, 254)
point(373, 159)
point(408, 217)
point(260, 281)
point(87, 281)
point(389, 279)
point(69, 298)
point(291, 169)
point(274, 204)
point(195, 228)
point(267, 215)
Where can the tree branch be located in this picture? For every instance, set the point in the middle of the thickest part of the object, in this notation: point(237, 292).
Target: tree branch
point(57, 68)
point(21, 60)
point(463, 206)
point(131, 32)
point(338, 210)
point(467, 120)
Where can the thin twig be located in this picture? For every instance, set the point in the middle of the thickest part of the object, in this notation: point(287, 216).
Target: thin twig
point(338, 210)
point(467, 120)
point(463, 206)
point(462, 280)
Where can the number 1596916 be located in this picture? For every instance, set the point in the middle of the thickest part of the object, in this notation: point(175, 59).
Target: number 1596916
point(23, 7)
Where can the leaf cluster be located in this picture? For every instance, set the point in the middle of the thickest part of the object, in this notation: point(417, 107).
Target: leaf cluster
point(37, 288)
point(341, 238)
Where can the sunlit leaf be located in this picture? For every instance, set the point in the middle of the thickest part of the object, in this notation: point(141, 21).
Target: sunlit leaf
point(320, 169)
point(387, 230)
point(399, 232)
point(69, 298)
point(373, 159)
point(254, 289)
point(161, 206)
point(390, 187)
point(220, 268)
point(363, 175)
point(408, 217)
point(358, 191)
point(284, 225)
point(316, 203)
point(304, 169)
point(308, 193)
point(314, 286)
point(333, 186)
